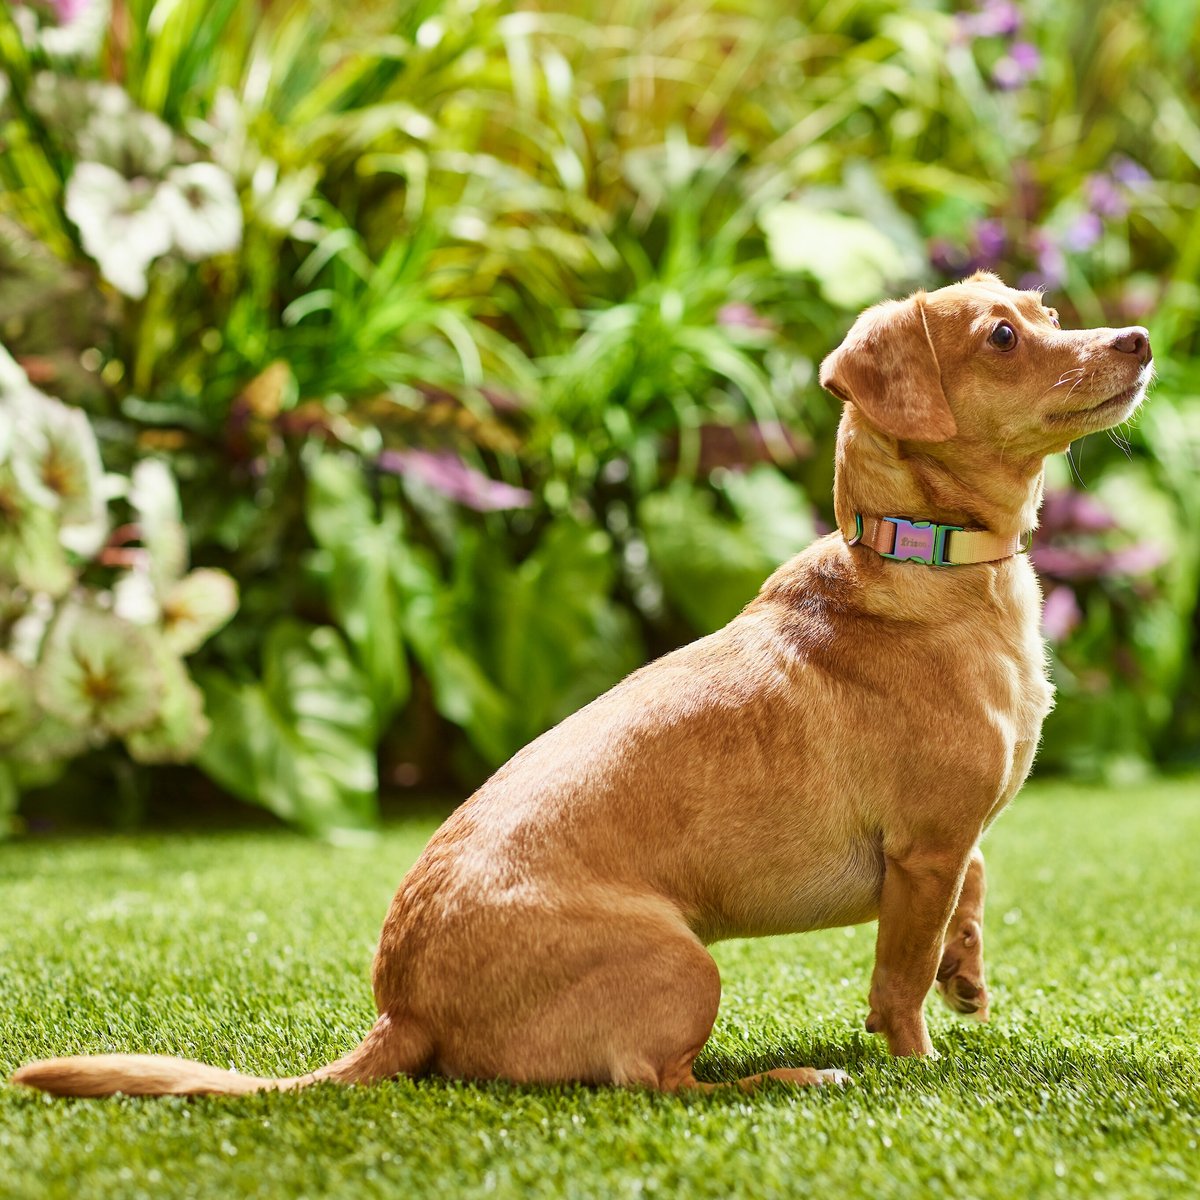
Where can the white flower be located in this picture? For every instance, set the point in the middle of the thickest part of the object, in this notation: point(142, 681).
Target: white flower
point(155, 501)
point(202, 207)
point(122, 222)
point(75, 28)
point(135, 599)
point(121, 136)
point(54, 458)
point(80, 31)
point(29, 629)
point(13, 379)
point(57, 461)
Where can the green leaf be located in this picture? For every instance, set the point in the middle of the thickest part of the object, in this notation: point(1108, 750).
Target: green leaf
point(17, 708)
point(710, 567)
point(180, 726)
point(462, 691)
point(301, 742)
point(364, 595)
point(50, 742)
point(774, 512)
point(850, 259)
point(554, 637)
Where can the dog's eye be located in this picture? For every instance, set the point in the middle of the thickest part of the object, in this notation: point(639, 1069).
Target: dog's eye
point(1003, 337)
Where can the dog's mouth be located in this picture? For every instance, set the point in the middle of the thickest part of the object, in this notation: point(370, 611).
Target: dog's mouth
point(1104, 414)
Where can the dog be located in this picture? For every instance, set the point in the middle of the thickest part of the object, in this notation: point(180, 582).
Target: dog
point(832, 756)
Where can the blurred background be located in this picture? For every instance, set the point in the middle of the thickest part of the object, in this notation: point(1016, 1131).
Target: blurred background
point(381, 382)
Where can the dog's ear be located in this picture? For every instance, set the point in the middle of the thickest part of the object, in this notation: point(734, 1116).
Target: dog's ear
point(887, 368)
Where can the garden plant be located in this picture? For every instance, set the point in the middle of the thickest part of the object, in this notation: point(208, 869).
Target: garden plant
point(480, 341)
point(380, 382)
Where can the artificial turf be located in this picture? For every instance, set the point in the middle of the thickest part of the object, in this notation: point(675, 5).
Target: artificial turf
point(252, 950)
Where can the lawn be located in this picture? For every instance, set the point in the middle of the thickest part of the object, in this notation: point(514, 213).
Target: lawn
point(252, 949)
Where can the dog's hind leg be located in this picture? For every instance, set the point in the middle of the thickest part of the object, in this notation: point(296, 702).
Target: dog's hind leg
point(636, 1020)
point(960, 977)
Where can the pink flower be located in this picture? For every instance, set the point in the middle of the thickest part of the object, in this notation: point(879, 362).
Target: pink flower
point(737, 314)
point(68, 11)
point(445, 472)
point(1060, 613)
point(1017, 67)
point(1083, 232)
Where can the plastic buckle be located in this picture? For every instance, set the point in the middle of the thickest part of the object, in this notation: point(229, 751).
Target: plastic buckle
point(920, 541)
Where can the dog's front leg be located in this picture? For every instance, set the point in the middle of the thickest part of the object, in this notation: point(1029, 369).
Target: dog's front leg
point(960, 977)
point(920, 890)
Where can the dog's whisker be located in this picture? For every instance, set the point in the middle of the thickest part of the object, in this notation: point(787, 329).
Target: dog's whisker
point(1074, 468)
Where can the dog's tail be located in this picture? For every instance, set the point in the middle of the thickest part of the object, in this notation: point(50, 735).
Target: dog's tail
point(390, 1048)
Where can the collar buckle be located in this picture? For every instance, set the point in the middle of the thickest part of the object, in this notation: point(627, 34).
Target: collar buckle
point(920, 541)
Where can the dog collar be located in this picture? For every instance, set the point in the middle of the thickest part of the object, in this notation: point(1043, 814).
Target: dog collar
point(935, 545)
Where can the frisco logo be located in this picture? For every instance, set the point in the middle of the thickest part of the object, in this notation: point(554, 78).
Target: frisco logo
point(915, 543)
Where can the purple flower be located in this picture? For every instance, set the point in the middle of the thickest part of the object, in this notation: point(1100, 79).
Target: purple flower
point(1051, 262)
point(1017, 67)
point(1130, 173)
point(990, 241)
point(1079, 562)
point(1026, 56)
point(947, 258)
point(1060, 613)
point(1139, 559)
point(739, 315)
point(1070, 562)
point(1083, 232)
point(445, 472)
point(992, 18)
point(1104, 197)
point(1065, 510)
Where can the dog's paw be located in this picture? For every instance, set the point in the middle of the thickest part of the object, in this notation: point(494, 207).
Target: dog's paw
point(960, 979)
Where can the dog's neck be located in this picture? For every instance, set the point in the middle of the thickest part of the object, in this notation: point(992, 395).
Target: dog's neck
point(876, 476)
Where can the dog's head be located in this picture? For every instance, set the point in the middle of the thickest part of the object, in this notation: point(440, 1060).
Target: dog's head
point(979, 363)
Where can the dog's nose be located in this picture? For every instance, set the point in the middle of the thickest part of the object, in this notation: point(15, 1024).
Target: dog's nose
point(1134, 341)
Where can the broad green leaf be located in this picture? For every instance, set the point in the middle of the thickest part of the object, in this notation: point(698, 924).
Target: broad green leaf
point(361, 583)
point(301, 742)
point(17, 708)
point(850, 259)
point(462, 692)
point(556, 639)
point(773, 512)
point(50, 742)
point(180, 726)
point(710, 567)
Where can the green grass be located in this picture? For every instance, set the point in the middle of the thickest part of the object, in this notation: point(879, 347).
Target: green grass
point(252, 950)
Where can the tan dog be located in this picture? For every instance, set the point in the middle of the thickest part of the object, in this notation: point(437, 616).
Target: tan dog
point(831, 756)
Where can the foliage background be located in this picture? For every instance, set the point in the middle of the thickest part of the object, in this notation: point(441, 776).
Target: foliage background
point(481, 342)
